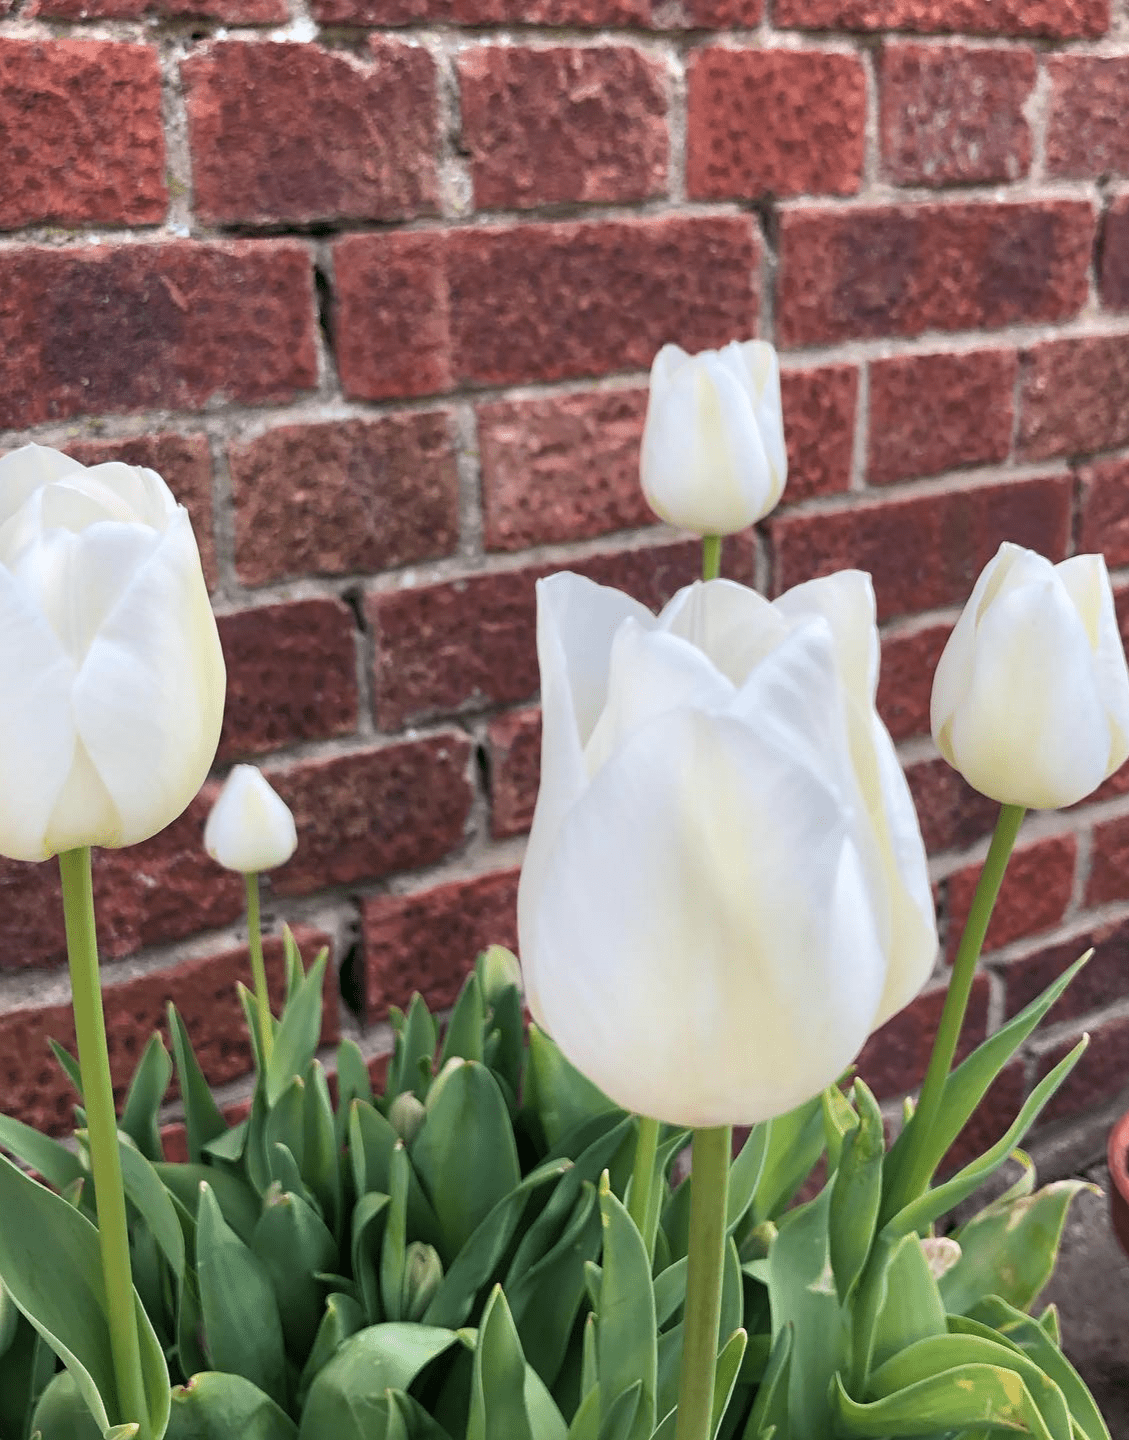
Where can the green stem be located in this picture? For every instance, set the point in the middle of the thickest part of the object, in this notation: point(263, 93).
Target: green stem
point(641, 1207)
point(711, 557)
point(956, 1001)
point(709, 1184)
point(258, 968)
point(102, 1130)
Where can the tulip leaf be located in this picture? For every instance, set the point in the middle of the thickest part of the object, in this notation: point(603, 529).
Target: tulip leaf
point(353, 1083)
point(346, 1393)
point(63, 1414)
point(745, 1174)
point(497, 1395)
point(463, 1038)
point(560, 1096)
point(238, 1204)
point(393, 1252)
point(141, 1114)
point(215, 1406)
point(295, 970)
point(625, 1316)
point(795, 1143)
point(342, 1317)
point(298, 1032)
point(59, 1166)
point(321, 1168)
point(769, 1415)
point(68, 1065)
point(26, 1367)
point(295, 1246)
point(202, 1118)
point(899, 1303)
point(856, 1193)
point(145, 1190)
point(410, 1068)
point(620, 1422)
point(725, 1378)
point(958, 1399)
point(284, 1121)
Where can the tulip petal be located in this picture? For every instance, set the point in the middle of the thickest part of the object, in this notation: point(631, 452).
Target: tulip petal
point(1087, 583)
point(250, 827)
point(846, 601)
point(732, 624)
point(28, 469)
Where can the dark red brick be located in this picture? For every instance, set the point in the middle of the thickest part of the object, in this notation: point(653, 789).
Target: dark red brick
point(1058, 19)
point(1109, 865)
point(902, 270)
point(1105, 510)
point(905, 682)
point(514, 747)
point(1088, 124)
point(550, 302)
point(562, 124)
point(1034, 896)
point(291, 676)
point(991, 1119)
point(952, 815)
point(294, 132)
point(232, 12)
point(1097, 1077)
point(1101, 982)
point(584, 14)
point(1114, 274)
point(930, 413)
point(923, 551)
point(84, 331)
point(81, 134)
point(31, 915)
point(893, 1061)
point(773, 122)
point(344, 496)
point(372, 812)
point(561, 467)
point(391, 316)
point(953, 114)
point(428, 940)
point(819, 426)
point(174, 1142)
point(184, 462)
point(35, 1090)
point(1074, 396)
point(720, 14)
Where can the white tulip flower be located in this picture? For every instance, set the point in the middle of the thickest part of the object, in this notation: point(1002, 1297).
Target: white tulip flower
point(1031, 694)
point(725, 888)
point(111, 674)
point(250, 828)
point(713, 459)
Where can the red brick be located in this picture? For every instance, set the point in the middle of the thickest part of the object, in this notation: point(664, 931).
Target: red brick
point(174, 1142)
point(31, 915)
point(428, 940)
point(893, 1061)
point(1074, 397)
point(819, 426)
point(991, 1119)
point(952, 815)
point(561, 467)
point(139, 327)
point(1105, 510)
point(550, 302)
point(583, 14)
point(1059, 19)
point(923, 551)
point(35, 1090)
point(721, 14)
point(1114, 275)
point(235, 12)
point(81, 134)
point(905, 682)
point(953, 114)
point(293, 132)
point(372, 812)
point(1109, 866)
point(1088, 125)
point(1101, 982)
point(514, 747)
point(930, 413)
point(773, 122)
point(1034, 896)
point(442, 647)
point(564, 123)
point(291, 676)
point(902, 270)
point(391, 320)
point(1097, 1077)
point(344, 496)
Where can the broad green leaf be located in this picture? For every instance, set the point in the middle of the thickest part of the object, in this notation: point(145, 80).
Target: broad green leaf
point(464, 1029)
point(230, 1145)
point(393, 1252)
point(146, 1191)
point(214, 1406)
point(621, 1420)
point(728, 1368)
point(59, 1166)
point(26, 1369)
point(298, 1032)
point(795, 1142)
point(250, 1008)
point(141, 1115)
point(416, 1036)
point(284, 1122)
point(909, 1306)
point(346, 1393)
point(353, 1083)
point(295, 1246)
point(295, 970)
point(625, 1321)
point(958, 1399)
point(321, 1165)
point(856, 1193)
point(839, 1119)
point(343, 1317)
point(497, 1395)
point(371, 1142)
point(239, 1205)
point(745, 1174)
point(202, 1118)
point(556, 1091)
point(370, 1215)
point(769, 1415)
point(62, 1413)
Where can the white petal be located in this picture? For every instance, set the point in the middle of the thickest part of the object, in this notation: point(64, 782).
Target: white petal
point(846, 601)
point(28, 469)
point(730, 623)
point(1087, 583)
point(250, 828)
point(763, 367)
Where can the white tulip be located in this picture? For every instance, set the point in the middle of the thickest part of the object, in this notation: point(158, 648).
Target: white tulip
point(250, 828)
point(713, 459)
point(111, 674)
point(725, 887)
point(1031, 694)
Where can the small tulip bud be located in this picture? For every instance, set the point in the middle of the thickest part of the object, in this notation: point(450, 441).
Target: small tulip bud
point(250, 828)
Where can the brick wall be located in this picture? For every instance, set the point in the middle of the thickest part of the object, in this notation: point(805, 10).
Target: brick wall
point(375, 285)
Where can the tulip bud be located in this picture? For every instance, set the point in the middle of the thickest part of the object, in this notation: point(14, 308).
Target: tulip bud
point(250, 828)
point(406, 1115)
point(423, 1270)
point(1031, 694)
point(713, 459)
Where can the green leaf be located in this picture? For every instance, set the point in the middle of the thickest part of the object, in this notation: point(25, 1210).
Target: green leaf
point(625, 1324)
point(745, 1174)
point(464, 1029)
point(900, 1304)
point(621, 1420)
point(769, 1415)
point(795, 1142)
point(415, 1050)
point(25, 1369)
point(298, 1032)
point(68, 1065)
point(239, 1204)
point(141, 1115)
point(346, 1393)
point(295, 970)
point(725, 1378)
point(202, 1118)
point(222, 1407)
point(856, 1193)
point(62, 1413)
point(295, 1246)
point(370, 1215)
point(353, 1083)
point(497, 1395)
point(343, 1317)
point(393, 1252)
point(556, 1091)
point(321, 1166)
point(958, 1399)
point(146, 1191)
point(59, 1166)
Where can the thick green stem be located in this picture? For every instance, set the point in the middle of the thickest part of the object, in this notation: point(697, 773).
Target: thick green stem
point(258, 968)
point(956, 1001)
point(711, 557)
point(641, 1203)
point(709, 1184)
point(102, 1129)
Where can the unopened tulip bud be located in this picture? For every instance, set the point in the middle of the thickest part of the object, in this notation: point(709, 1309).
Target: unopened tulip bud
point(250, 828)
point(423, 1270)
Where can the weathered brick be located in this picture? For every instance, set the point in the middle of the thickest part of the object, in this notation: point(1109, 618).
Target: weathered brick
point(1109, 865)
point(344, 496)
point(1105, 510)
point(550, 302)
point(923, 551)
point(952, 815)
point(930, 413)
point(291, 676)
point(773, 122)
point(953, 114)
point(35, 1090)
point(137, 327)
point(1088, 125)
point(372, 812)
point(466, 642)
point(1097, 1077)
point(232, 12)
point(514, 747)
point(428, 940)
point(819, 426)
point(391, 315)
point(1074, 396)
point(893, 1061)
point(81, 134)
point(718, 14)
point(1100, 982)
point(184, 462)
point(1034, 896)
point(901, 270)
point(905, 680)
point(31, 915)
point(293, 132)
point(1114, 274)
point(584, 14)
point(1058, 19)
point(563, 123)
point(561, 467)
